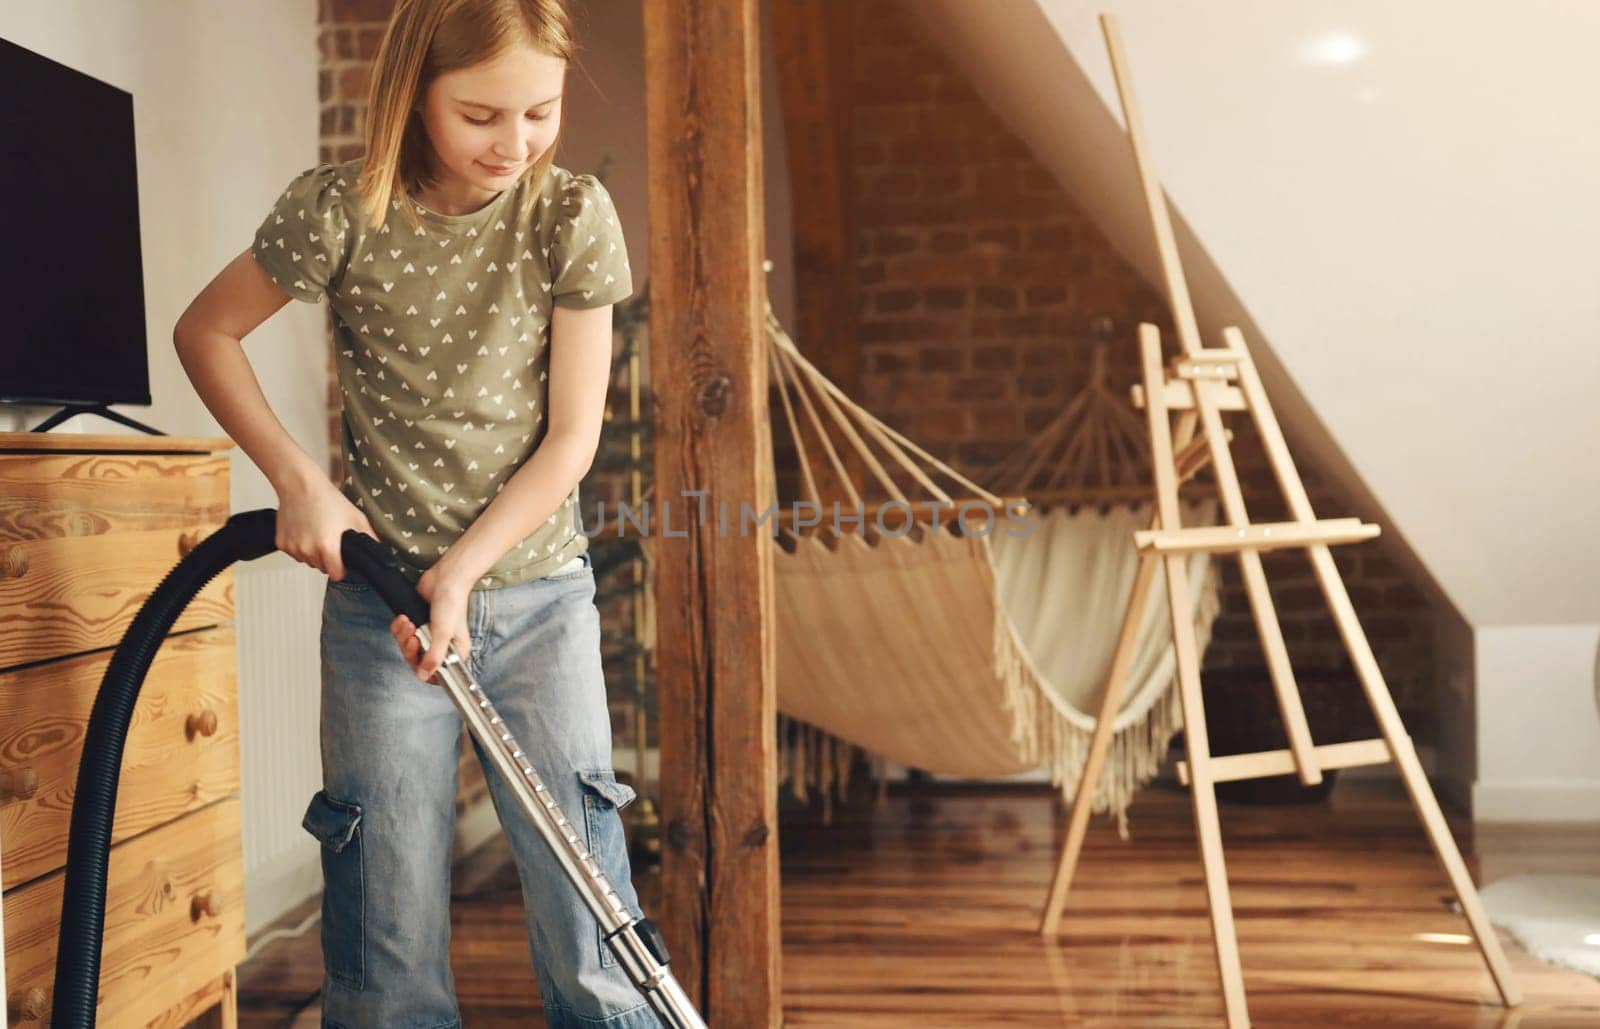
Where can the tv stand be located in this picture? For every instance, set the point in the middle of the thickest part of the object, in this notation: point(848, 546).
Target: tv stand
point(72, 410)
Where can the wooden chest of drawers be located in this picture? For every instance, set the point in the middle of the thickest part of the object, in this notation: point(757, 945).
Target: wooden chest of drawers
point(89, 526)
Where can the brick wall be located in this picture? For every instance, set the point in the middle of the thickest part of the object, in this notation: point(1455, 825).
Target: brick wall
point(984, 291)
point(348, 32)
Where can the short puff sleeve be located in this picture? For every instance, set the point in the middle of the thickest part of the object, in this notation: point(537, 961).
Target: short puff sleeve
point(588, 256)
point(302, 242)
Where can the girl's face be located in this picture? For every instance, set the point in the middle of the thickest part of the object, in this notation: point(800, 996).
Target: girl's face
point(489, 122)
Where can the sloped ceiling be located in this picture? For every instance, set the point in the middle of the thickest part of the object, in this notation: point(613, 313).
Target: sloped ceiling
point(1395, 202)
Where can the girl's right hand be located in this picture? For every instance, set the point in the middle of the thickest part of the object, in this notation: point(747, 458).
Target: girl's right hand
point(312, 518)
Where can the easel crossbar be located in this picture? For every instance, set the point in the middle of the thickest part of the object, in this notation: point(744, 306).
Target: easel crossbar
point(1177, 394)
point(1229, 539)
point(1233, 767)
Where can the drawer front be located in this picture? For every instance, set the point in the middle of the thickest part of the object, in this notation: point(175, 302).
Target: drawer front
point(174, 919)
point(86, 538)
point(182, 751)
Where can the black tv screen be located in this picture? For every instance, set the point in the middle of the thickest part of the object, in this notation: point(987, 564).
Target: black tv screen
point(73, 327)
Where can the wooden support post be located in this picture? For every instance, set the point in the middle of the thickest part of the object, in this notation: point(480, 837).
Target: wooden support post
point(714, 589)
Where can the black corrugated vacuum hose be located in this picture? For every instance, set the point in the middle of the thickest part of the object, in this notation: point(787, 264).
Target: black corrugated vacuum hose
point(246, 536)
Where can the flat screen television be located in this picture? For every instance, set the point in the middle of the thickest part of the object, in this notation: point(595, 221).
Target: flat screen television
point(73, 329)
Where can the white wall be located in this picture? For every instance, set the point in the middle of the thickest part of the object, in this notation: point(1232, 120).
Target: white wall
point(224, 102)
point(1538, 748)
point(225, 112)
point(1412, 231)
point(1394, 201)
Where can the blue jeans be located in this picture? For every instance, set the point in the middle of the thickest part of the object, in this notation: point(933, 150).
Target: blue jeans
point(386, 814)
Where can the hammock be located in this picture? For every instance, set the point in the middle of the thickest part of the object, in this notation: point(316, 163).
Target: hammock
point(1067, 588)
point(970, 653)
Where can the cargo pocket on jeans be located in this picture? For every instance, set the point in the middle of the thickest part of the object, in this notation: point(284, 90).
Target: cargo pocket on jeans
point(337, 826)
point(603, 797)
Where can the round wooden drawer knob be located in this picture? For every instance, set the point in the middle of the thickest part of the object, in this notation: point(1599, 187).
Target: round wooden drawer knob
point(201, 723)
point(29, 1005)
point(14, 562)
point(18, 783)
point(207, 903)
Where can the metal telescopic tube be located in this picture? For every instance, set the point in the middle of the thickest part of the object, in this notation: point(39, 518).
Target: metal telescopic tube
point(649, 974)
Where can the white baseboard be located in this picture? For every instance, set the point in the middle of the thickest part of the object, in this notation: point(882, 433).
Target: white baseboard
point(1536, 800)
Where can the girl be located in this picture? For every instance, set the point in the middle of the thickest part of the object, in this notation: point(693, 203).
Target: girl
point(471, 283)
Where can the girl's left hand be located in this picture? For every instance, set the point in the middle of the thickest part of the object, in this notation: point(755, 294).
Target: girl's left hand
point(446, 595)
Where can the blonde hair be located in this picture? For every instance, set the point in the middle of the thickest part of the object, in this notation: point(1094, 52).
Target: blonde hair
point(426, 39)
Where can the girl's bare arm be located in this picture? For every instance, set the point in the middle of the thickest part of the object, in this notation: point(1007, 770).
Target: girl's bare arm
point(207, 338)
point(312, 513)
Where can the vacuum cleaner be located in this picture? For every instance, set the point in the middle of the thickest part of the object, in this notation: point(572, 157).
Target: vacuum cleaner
point(636, 942)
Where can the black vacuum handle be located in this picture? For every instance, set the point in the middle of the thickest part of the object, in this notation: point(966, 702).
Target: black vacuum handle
point(369, 558)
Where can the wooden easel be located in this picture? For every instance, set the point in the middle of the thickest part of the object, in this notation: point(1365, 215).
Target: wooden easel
point(1198, 386)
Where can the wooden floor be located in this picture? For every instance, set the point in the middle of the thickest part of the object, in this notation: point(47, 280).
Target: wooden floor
point(922, 913)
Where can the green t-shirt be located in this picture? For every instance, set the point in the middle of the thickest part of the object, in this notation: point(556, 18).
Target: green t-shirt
point(442, 345)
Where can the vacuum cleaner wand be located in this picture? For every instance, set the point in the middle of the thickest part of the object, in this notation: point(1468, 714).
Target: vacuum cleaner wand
point(636, 942)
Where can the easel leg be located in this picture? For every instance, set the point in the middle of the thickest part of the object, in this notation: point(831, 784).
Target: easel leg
point(1099, 745)
point(1203, 793)
point(1404, 755)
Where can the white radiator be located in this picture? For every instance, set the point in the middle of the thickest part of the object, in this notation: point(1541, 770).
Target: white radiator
point(279, 604)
